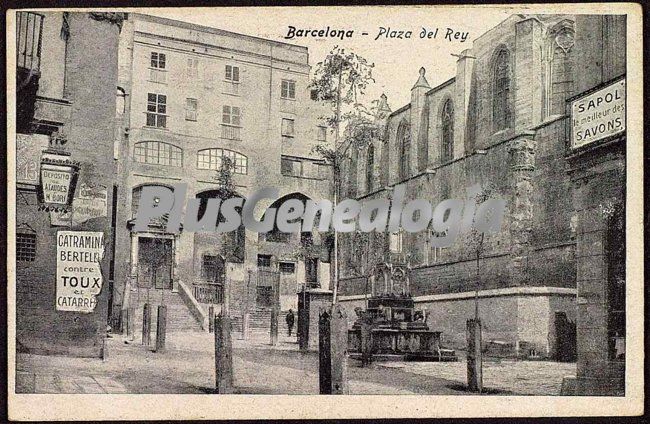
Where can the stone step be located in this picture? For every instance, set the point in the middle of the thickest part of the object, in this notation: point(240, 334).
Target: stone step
point(178, 316)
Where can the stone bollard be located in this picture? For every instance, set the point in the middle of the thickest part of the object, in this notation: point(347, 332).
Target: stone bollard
point(303, 330)
point(130, 324)
point(332, 351)
point(274, 326)
point(474, 356)
point(161, 329)
point(146, 325)
point(366, 342)
point(223, 354)
point(211, 319)
point(245, 325)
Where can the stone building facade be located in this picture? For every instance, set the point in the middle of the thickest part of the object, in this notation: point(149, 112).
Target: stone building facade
point(597, 171)
point(193, 95)
point(66, 78)
point(501, 123)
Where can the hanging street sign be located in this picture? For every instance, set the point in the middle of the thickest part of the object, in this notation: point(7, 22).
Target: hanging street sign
point(58, 179)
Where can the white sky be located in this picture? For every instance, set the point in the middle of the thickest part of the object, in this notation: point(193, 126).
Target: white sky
point(396, 61)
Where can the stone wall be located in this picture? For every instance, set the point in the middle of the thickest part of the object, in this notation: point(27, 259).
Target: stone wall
point(91, 77)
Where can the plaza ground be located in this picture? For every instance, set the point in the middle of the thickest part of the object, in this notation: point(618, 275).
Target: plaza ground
point(187, 367)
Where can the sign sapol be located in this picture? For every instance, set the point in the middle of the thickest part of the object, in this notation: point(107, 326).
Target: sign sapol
point(78, 275)
point(598, 115)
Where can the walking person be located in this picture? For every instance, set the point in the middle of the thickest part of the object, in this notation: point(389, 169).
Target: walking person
point(290, 320)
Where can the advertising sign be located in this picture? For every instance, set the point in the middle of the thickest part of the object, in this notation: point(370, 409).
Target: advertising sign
point(78, 275)
point(58, 181)
point(88, 203)
point(598, 115)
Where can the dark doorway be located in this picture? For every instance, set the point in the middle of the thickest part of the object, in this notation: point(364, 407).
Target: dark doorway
point(155, 262)
point(565, 338)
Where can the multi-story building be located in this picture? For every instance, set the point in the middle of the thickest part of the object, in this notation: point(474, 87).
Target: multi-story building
point(65, 109)
point(500, 122)
point(192, 96)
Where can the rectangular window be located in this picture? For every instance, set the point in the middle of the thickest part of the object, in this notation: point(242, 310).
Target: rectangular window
point(156, 110)
point(290, 167)
point(158, 60)
point(231, 116)
point(288, 89)
point(311, 270)
point(26, 247)
point(192, 67)
point(287, 267)
point(158, 67)
point(191, 109)
point(231, 123)
point(313, 94)
point(232, 73)
point(287, 127)
point(231, 84)
point(264, 261)
point(322, 133)
point(210, 268)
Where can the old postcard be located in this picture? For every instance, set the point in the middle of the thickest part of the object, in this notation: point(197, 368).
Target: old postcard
point(359, 212)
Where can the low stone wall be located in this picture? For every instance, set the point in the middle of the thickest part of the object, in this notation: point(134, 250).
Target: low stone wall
point(515, 320)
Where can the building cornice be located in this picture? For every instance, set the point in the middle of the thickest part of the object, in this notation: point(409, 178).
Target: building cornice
point(508, 291)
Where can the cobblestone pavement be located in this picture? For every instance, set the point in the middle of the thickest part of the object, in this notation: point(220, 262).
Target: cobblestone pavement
point(521, 377)
point(187, 366)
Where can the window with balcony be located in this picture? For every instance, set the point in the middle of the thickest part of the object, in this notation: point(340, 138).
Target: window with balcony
point(213, 159)
point(191, 109)
point(156, 110)
point(288, 127)
point(231, 83)
point(158, 153)
point(29, 27)
point(231, 123)
point(158, 67)
point(288, 89)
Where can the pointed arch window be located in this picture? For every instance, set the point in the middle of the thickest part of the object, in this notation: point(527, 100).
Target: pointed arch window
point(354, 160)
point(370, 166)
point(501, 114)
point(404, 140)
point(447, 120)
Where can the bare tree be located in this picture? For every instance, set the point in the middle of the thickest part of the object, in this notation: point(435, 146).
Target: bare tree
point(339, 80)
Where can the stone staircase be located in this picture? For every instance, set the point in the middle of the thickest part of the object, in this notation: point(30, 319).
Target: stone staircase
point(260, 321)
point(179, 317)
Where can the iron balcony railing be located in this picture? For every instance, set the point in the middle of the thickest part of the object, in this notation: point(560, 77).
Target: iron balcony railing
point(208, 292)
point(28, 40)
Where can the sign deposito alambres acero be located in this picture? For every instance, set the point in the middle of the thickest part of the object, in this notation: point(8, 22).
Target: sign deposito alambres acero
point(598, 115)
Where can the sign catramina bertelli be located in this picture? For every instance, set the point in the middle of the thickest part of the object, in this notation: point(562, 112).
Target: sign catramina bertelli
point(78, 274)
